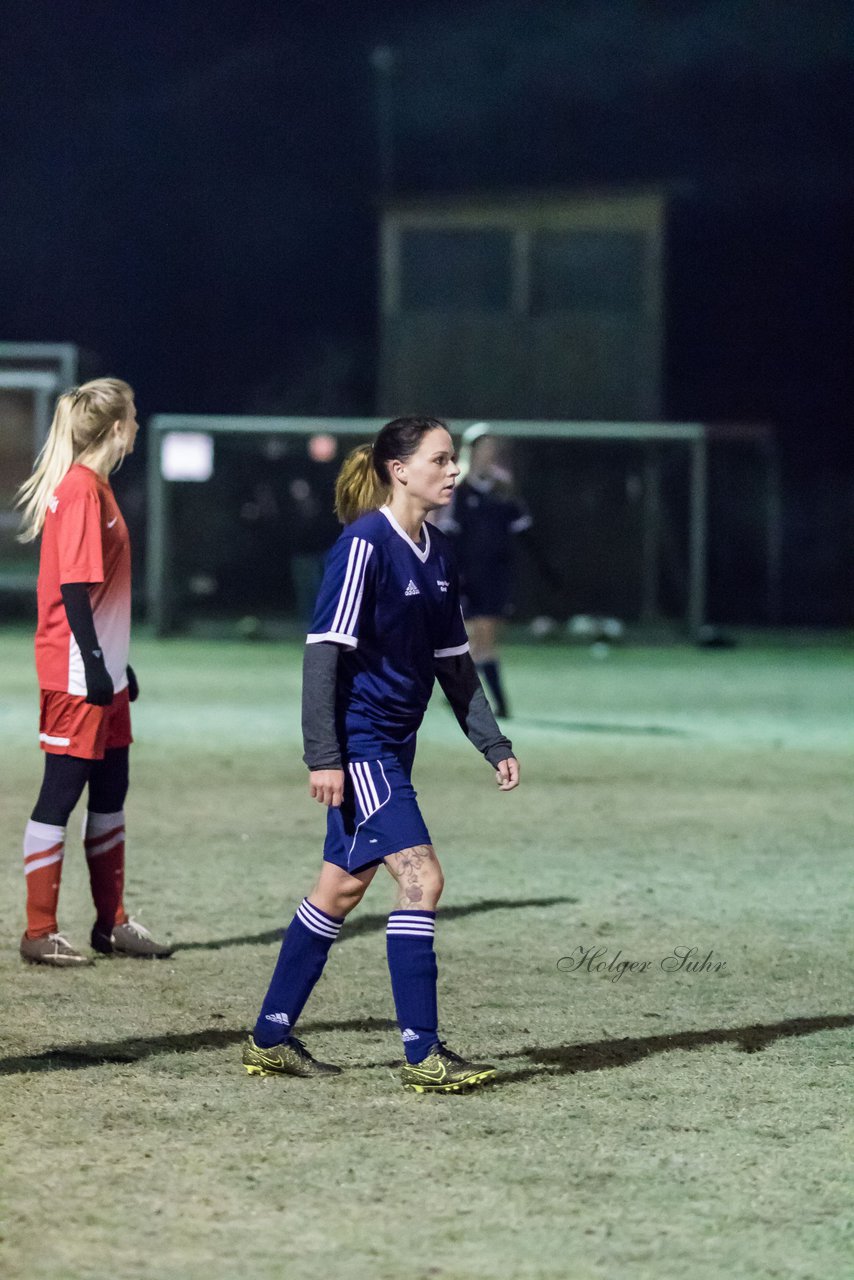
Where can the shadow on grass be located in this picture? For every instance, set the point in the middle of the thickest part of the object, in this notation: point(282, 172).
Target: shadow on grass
point(621, 730)
point(77, 1057)
point(375, 922)
point(604, 1055)
point(598, 1055)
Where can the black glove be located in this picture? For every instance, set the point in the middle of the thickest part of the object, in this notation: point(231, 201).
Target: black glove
point(78, 608)
point(133, 685)
point(99, 682)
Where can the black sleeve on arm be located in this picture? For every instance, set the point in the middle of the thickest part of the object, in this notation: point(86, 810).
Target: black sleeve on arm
point(319, 673)
point(78, 610)
point(461, 686)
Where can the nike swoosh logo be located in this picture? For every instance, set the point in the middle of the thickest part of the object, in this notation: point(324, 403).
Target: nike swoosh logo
point(110, 523)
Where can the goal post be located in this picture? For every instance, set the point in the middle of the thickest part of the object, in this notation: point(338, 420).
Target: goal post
point(26, 408)
point(206, 442)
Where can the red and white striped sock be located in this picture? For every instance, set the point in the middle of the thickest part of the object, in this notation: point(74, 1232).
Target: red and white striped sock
point(104, 842)
point(44, 849)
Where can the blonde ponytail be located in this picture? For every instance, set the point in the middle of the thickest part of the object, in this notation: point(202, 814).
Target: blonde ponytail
point(82, 420)
point(358, 488)
point(364, 482)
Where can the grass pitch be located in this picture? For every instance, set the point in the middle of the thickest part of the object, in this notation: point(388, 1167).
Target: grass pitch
point(651, 1121)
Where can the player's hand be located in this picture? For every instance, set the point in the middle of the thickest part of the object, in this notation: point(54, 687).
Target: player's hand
point(507, 774)
point(99, 683)
point(133, 685)
point(326, 786)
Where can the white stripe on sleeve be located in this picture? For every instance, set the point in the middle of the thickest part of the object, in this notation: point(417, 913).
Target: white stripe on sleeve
point(451, 653)
point(347, 613)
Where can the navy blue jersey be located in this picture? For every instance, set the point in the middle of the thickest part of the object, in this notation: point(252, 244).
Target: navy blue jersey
point(394, 607)
point(482, 521)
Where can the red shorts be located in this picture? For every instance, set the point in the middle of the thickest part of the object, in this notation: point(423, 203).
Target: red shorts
point(71, 726)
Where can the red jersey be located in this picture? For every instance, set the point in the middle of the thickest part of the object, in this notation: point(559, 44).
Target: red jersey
point(85, 539)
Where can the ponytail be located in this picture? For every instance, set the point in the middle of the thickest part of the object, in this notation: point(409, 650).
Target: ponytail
point(359, 488)
point(52, 464)
point(364, 481)
point(82, 419)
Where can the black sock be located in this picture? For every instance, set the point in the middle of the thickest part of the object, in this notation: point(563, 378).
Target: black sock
point(491, 674)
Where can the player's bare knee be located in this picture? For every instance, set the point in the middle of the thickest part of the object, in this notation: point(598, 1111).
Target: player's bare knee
point(435, 884)
point(336, 892)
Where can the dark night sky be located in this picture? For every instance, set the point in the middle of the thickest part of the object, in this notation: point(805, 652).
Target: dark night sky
point(190, 189)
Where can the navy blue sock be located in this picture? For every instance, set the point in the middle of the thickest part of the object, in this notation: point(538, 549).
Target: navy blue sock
point(304, 950)
point(413, 969)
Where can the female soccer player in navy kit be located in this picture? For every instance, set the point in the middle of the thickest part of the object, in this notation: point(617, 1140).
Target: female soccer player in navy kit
point(387, 622)
point(86, 684)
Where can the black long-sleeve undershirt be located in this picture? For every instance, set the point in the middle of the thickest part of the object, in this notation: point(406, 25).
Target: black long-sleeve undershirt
point(78, 610)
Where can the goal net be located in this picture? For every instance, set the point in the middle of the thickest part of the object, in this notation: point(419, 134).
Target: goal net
point(641, 522)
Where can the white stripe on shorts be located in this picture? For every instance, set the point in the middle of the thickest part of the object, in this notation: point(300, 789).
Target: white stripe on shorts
point(359, 788)
point(374, 800)
point(366, 794)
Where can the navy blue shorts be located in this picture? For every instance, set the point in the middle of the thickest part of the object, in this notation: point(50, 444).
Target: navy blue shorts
point(379, 815)
point(487, 596)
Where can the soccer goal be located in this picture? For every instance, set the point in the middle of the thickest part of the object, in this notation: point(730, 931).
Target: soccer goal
point(630, 519)
point(31, 376)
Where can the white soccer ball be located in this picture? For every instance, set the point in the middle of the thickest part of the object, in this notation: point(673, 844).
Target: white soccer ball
point(542, 626)
point(613, 628)
point(582, 626)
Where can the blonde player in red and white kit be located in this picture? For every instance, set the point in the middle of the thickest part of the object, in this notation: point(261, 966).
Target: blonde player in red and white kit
point(82, 643)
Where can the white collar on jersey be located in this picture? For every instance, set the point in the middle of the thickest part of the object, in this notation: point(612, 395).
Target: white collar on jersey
point(422, 555)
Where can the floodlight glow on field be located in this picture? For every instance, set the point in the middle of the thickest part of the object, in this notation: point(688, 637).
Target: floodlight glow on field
point(187, 456)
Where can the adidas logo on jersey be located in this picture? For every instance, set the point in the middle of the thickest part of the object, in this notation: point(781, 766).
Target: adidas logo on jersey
point(412, 590)
point(54, 503)
point(281, 1019)
point(408, 1036)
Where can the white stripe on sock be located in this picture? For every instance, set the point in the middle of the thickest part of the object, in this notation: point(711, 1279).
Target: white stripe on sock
point(319, 915)
point(403, 917)
point(315, 921)
point(42, 862)
point(110, 845)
